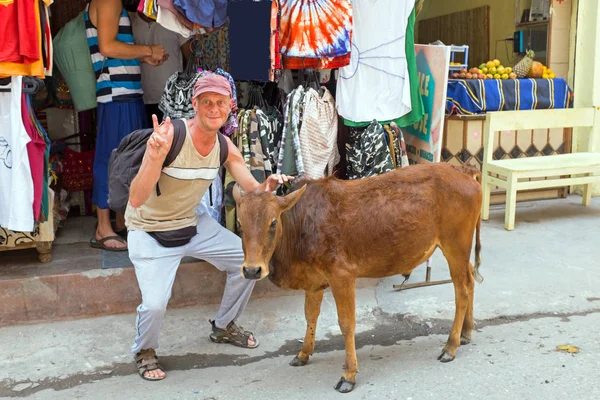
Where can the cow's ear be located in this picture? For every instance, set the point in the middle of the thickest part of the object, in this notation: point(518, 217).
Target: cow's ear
point(288, 201)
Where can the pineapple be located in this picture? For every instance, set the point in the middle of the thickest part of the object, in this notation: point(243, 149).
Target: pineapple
point(524, 66)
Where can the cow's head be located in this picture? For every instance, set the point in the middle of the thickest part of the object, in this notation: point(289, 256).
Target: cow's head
point(259, 220)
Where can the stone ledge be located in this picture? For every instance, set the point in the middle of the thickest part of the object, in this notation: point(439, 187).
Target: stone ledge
point(96, 292)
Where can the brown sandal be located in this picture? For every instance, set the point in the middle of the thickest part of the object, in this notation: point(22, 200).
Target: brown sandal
point(147, 360)
point(234, 334)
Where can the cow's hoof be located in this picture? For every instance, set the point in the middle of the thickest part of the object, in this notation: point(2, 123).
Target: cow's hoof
point(464, 340)
point(343, 386)
point(445, 357)
point(296, 362)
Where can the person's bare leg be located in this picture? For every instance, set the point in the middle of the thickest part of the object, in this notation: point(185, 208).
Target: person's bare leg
point(119, 222)
point(105, 229)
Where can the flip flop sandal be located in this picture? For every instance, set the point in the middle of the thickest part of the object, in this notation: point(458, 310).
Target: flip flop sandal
point(99, 244)
point(235, 335)
point(147, 360)
point(122, 232)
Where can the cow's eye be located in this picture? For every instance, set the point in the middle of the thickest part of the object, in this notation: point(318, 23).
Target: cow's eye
point(273, 224)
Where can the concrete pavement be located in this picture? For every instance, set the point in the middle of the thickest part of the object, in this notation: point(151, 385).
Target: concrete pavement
point(541, 290)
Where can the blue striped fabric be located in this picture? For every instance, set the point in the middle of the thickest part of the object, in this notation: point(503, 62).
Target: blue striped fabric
point(118, 80)
point(474, 96)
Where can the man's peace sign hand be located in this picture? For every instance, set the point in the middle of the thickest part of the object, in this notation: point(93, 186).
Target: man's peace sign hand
point(160, 141)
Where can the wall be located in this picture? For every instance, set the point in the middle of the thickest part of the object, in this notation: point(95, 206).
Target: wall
point(587, 73)
point(502, 21)
point(560, 33)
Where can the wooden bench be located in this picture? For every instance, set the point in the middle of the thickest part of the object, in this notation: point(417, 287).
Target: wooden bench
point(559, 170)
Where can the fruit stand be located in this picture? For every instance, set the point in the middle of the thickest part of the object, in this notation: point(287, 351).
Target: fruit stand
point(493, 87)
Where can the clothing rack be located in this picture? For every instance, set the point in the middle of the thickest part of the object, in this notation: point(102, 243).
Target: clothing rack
point(31, 85)
point(43, 234)
point(256, 98)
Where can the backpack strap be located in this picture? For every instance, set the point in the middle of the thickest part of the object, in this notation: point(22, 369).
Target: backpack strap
point(224, 148)
point(179, 133)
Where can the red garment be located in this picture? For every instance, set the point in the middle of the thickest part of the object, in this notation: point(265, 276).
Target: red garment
point(35, 150)
point(316, 63)
point(17, 26)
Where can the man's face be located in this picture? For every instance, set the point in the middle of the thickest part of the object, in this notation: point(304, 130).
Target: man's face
point(212, 110)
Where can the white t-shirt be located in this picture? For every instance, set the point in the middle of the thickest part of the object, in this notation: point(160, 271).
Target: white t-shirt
point(375, 85)
point(16, 183)
point(154, 78)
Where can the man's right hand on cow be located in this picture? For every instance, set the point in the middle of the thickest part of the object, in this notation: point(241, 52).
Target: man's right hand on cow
point(160, 141)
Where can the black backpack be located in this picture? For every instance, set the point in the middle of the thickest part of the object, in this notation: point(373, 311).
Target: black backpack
point(125, 161)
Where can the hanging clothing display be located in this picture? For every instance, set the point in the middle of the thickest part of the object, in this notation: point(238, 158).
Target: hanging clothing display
point(149, 8)
point(416, 113)
point(290, 159)
point(169, 21)
point(367, 152)
point(256, 138)
point(36, 149)
point(44, 182)
point(214, 47)
point(330, 45)
point(17, 22)
point(376, 83)
point(35, 66)
point(318, 134)
point(206, 13)
point(175, 19)
point(328, 21)
point(16, 182)
point(47, 47)
point(274, 45)
point(176, 100)
point(396, 144)
point(250, 39)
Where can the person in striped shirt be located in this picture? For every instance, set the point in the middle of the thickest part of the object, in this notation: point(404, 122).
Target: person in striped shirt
point(116, 61)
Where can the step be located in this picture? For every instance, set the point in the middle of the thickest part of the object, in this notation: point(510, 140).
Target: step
point(73, 285)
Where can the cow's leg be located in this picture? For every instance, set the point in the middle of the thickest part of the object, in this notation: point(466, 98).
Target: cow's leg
point(467, 328)
point(464, 283)
point(312, 309)
point(344, 293)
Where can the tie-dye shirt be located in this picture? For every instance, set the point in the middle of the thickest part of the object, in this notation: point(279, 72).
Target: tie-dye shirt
point(315, 28)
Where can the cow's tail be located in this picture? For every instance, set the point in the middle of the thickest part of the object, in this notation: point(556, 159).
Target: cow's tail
point(477, 175)
point(478, 276)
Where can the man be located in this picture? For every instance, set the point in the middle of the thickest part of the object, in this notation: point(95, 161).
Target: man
point(145, 32)
point(116, 60)
point(182, 185)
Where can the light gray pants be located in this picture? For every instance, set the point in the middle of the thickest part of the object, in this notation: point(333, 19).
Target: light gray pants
point(156, 266)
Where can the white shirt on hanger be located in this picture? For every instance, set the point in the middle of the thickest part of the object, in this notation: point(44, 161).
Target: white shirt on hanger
point(375, 85)
point(16, 183)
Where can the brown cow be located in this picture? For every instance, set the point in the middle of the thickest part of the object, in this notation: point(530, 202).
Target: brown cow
point(330, 232)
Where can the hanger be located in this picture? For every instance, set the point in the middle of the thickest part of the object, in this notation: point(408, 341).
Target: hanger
point(31, 85)
point(195, 59)
point(311, 79)
point(255, 97)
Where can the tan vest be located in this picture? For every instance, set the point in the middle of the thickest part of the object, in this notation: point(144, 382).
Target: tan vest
point(182, 185)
